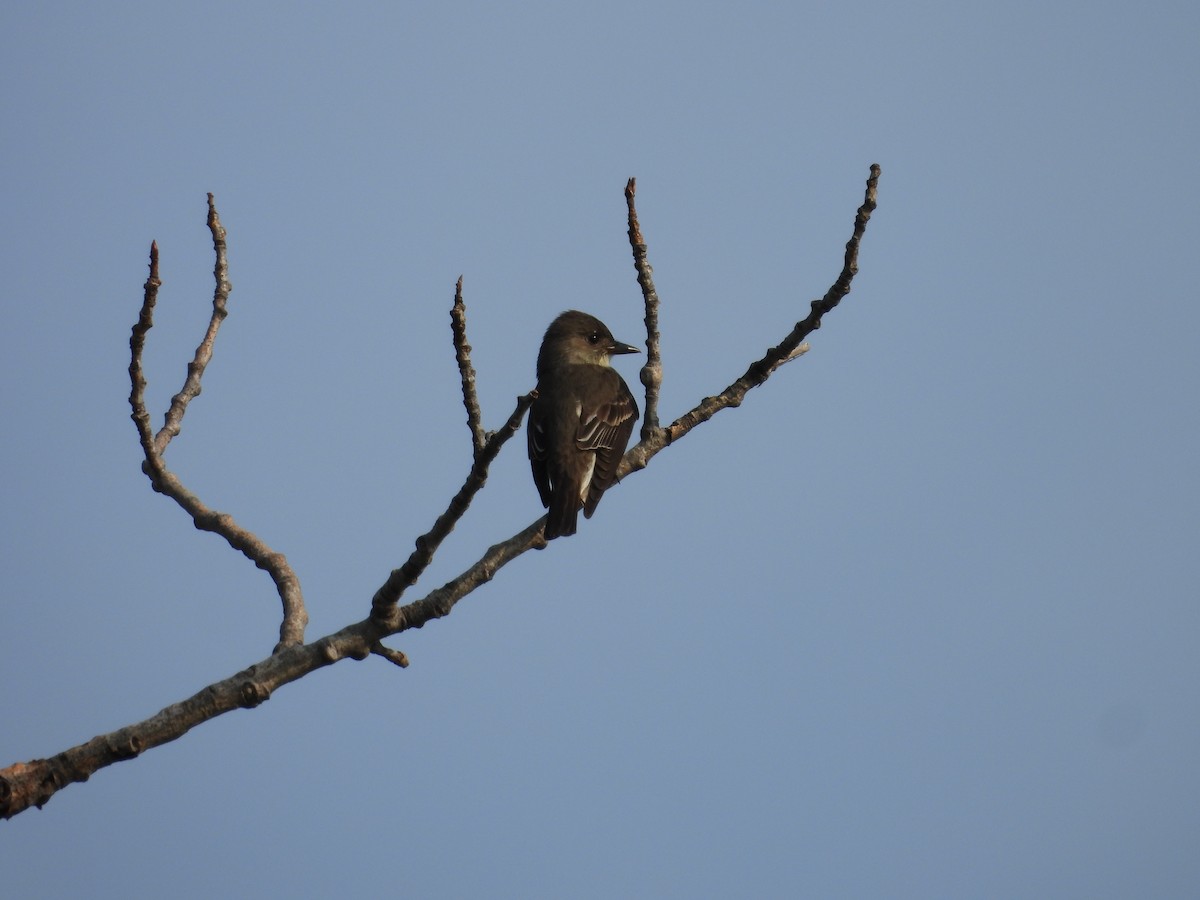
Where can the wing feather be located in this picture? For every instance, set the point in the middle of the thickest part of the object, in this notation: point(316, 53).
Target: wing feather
point(605, 430)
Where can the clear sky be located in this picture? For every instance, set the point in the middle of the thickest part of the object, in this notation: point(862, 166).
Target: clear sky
point(918, 620)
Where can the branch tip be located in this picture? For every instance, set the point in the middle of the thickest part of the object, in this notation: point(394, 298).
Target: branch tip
point(466, 371)
point(396, 657)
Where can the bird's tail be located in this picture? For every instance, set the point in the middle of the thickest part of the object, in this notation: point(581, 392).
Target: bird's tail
point(564, 512)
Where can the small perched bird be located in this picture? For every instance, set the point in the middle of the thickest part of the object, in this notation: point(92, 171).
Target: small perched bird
point(580, 423)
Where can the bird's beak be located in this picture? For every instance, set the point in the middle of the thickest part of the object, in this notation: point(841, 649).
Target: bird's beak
point(617, 347)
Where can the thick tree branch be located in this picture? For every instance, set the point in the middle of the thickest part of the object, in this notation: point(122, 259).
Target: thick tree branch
point(33, 783)
point(163, 480)
point(23, 785)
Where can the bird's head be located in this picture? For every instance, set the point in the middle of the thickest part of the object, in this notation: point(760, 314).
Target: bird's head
point(576, 338)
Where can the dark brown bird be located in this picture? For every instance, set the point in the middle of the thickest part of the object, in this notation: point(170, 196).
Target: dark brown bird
point(580, 423)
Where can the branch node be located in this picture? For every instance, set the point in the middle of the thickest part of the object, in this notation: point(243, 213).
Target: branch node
point(126, 748)
point(252, 694)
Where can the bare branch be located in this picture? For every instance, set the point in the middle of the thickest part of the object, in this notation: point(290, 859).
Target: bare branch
point(440, 602)
point(785, 351)
point(385, 599)
point(23, 785)
point(651, 373)
point(295, 617)
point(462, 352)
point(33, 783)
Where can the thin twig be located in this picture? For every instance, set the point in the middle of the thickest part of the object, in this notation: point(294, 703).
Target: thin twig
point(651, 373)
point(462, 352)
point(163, 480)
point(137, 343)
point(173, 420)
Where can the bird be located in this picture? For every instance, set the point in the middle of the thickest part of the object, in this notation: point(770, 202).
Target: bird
point(580, 420)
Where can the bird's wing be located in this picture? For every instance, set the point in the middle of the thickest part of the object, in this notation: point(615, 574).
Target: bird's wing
point(538, 442)
point(605, 429)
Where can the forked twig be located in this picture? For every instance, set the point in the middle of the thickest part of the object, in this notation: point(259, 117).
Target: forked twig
point(163, 480)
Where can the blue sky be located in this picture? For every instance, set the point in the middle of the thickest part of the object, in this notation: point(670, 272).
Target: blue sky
point(917, 620)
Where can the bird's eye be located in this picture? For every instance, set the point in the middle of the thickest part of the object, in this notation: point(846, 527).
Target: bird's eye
point(594, 337)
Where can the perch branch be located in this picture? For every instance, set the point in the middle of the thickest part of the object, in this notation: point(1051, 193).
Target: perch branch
point(440, 602)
